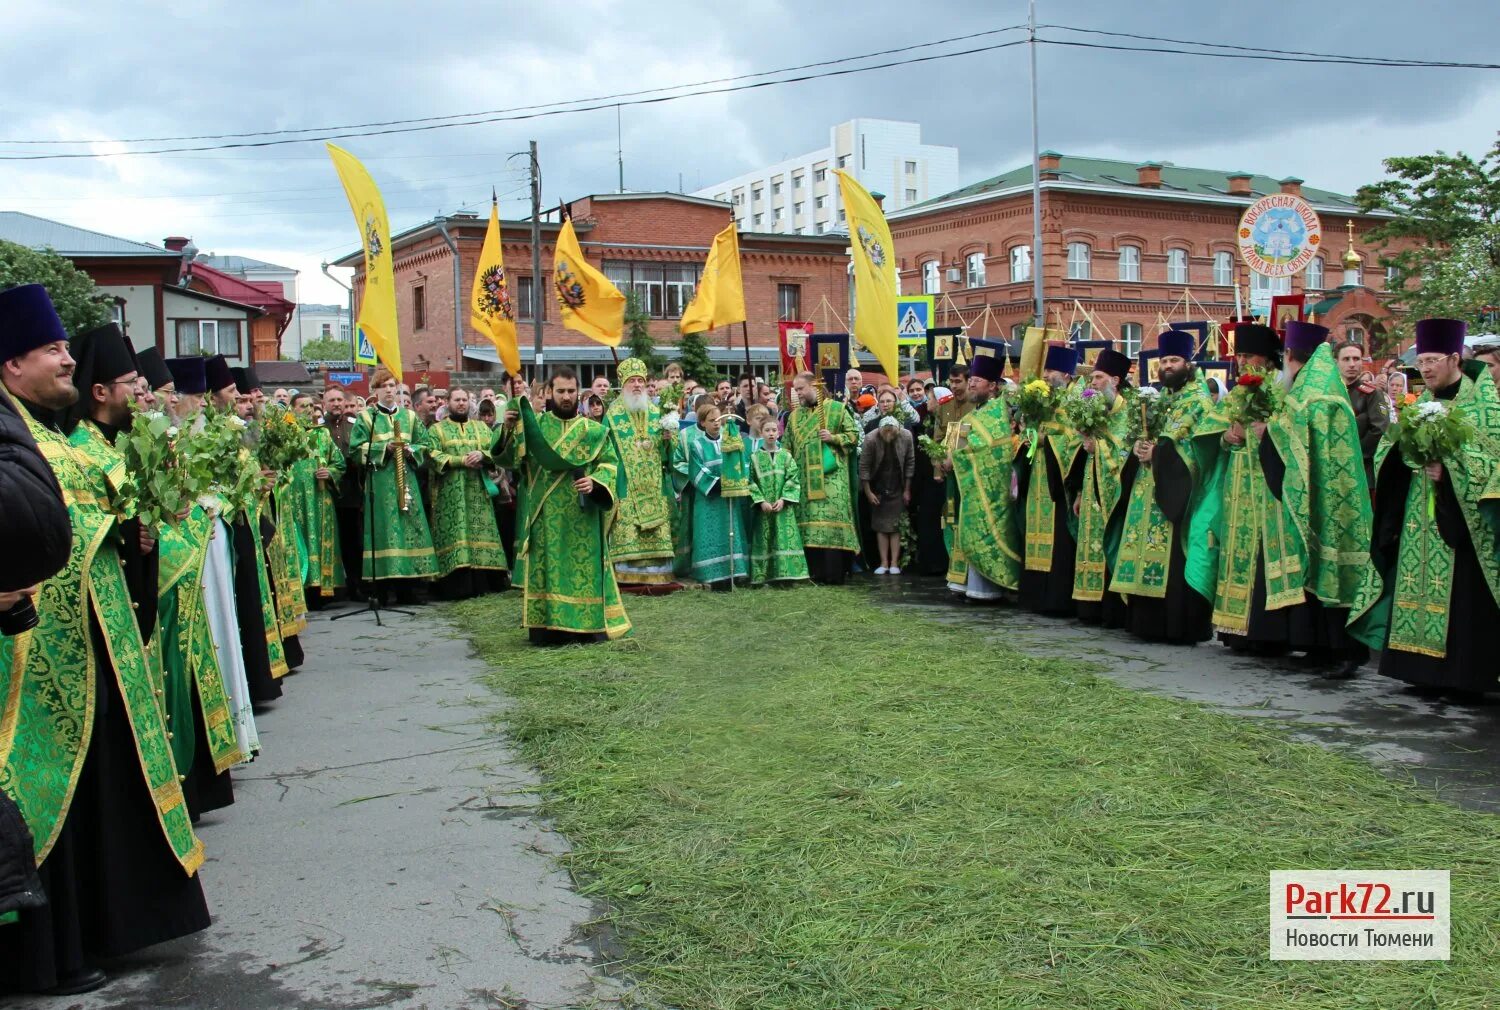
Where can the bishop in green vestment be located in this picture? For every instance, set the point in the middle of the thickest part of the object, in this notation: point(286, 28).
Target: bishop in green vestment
point(1166, 564)
point(823, 437)
point(465, 537)
point(640, 543)
point(1104, 457)
point(986, 540)
point(1436, 605)
point(315, 481)
point(776, 553)
point(715, 472)
point(390, 444)
point(570, 479)
point(84, 749)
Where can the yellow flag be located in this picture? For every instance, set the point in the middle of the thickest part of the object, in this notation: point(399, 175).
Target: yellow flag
point(720, 298)
point(490, 307)
point(590, 304)
point(874, 275)
point(377, 309)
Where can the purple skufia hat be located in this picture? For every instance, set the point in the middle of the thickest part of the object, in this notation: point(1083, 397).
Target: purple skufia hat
point(986, 366)
point(1175, 344)
point(1302, 336)
point(1441, 336)
point(27, 321)
point(1061, 359)
point(189, 374)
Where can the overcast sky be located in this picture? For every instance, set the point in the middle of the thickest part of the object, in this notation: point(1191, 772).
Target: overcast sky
point(91, 70)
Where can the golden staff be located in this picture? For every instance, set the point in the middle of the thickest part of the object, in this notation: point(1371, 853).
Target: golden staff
point(403, 499)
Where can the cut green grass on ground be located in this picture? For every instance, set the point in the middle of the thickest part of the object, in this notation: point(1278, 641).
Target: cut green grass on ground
point(795, 799)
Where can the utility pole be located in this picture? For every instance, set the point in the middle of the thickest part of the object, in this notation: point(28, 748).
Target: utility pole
point(620, 146)
point(1036, 186)
point(537, 283)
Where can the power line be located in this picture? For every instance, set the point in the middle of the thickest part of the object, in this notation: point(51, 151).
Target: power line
point(1269, 57)
point(544, 105)
point(501, 175)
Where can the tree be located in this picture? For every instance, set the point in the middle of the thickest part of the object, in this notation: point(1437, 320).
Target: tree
point(1447, 207)
point(692, 354)
point(80, 304)
point(638, 334)
point(325, 349)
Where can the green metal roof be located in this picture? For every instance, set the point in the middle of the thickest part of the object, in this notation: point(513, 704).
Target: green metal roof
point(1104, 172)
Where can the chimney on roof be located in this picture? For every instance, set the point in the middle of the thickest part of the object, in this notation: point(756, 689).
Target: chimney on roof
point(878, 197)
point(175, 243)
point(1291, 184)
point(1239, 184)
point(1048, 164)
point(1148, 174)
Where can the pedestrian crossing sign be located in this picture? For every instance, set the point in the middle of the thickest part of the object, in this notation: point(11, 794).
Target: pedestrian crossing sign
point(364, 351)
point(913, 316)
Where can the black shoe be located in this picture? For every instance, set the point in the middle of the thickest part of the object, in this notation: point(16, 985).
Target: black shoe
point(1348, 671)
point(77, 985)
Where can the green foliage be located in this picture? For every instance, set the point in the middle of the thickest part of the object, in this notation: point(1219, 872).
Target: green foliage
point(1430, 431)
point(1087, 411)
point(218, 457)
point(159, 483)
point(283, 441)
point(638, 335)
point(1448, 207)
point(1255, 396)
point(692, 354)
point(80, 305)
point(1147, 408)
point(326, 349)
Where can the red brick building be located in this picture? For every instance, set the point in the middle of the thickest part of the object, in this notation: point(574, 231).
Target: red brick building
point(652, 244)
point(1129, 244)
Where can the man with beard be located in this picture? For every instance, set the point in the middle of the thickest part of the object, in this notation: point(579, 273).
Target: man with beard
point(221, 382)
point(346, 492)
point(1165, 567)
point(390, 444)
point(981, 455)
point(1103, 462)
point(947, 417)
point(88, 759)
point(1435, 543)
point(465, 538)
point(156, 380)
point(822, 436)
point(313, 484)
point(569, 470)
point(640, 542)
point(1044, 475)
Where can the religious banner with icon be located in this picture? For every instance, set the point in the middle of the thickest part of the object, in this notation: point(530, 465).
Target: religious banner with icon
point(1148, 367)
point(1199, 329)
point(1285, 307)
point(942, 350)
point(830, 358)
point(1279, 235)
point(1088, 351)
point(794, 352)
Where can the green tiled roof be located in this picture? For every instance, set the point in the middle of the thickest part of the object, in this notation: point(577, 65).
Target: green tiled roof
point(1115, 174)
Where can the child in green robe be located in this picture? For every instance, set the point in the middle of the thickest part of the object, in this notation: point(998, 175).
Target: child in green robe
point(776, 553)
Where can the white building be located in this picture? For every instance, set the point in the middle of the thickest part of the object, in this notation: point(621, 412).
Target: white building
point(316, 322)
point(800, 196)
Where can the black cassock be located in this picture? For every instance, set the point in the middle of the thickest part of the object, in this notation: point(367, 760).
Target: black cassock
point(1182, 617)
point(1049, 592)
point(247, 609)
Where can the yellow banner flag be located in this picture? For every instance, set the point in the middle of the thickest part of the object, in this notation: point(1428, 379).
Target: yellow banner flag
point(490, 307)
point(874, 255)
point(377, 309)
point(720, 298)
point(590, 304)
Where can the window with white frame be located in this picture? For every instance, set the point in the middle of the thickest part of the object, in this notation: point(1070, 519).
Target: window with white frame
point(1260, 284)
point(1313, 279)
point(797, 209)
point(1078, 261)
point(758, 219)
point(1390, 276)
point(911, 168)
point(1177, 266)
point(776, 214)
point(796, 182)
point(819, 174)
point(843, 161)
point(662, 290)
point(325, 330)
point(1130, 337)
point(1223, 269)
point(911, 196)
point(526, 300)
point(208, 336)
point(931, 281)
point(974, 270)
point(775, 189)
point(344, 332)
point(117, 313)
point(756, 194)
point(841, 215)
point(1130, 263)
point(789, 301)
point(1020, 264)
point(1082, 330)
point(818, 202)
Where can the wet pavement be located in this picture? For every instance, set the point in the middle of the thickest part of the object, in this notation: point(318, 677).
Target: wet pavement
point(1449, 749)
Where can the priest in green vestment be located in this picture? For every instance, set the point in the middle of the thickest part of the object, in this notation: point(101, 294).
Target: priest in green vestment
point(465, 536)
point(1104, 457)
point(823, 437)
point(315, 481)
point(776, 553)
point(1436, 604)
point(1044, 478)
point(986, 537)
point(84, 748)
point(570, 479)
point(1166, 564)
point(716, 496)
point(640, 543)
point(390, 443)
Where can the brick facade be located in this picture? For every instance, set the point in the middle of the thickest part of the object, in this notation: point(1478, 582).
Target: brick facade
point(656, 228)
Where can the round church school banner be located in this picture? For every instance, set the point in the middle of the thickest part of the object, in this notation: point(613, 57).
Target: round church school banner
point(1279, 235)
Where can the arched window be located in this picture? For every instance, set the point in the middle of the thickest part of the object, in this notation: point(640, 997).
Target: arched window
point(1130, 262)
point(1078, 261)
point(1313, 279)
point(931, 282)
point(1177, 267)
point(1020, 264)
point(974, 274)
point(1223, 269)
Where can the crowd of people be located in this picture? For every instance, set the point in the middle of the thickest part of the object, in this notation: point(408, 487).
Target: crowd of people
point(138, 652)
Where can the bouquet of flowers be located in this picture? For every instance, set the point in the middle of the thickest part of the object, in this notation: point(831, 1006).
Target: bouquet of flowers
point(1146, 409)
point(217, 456)
point(1256, 396)
point(671, 410)
point(159, 486)
point(1035, 406)
point(1087, 410)
point(935, 450)
point(1429, 432)
point(283, 441)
